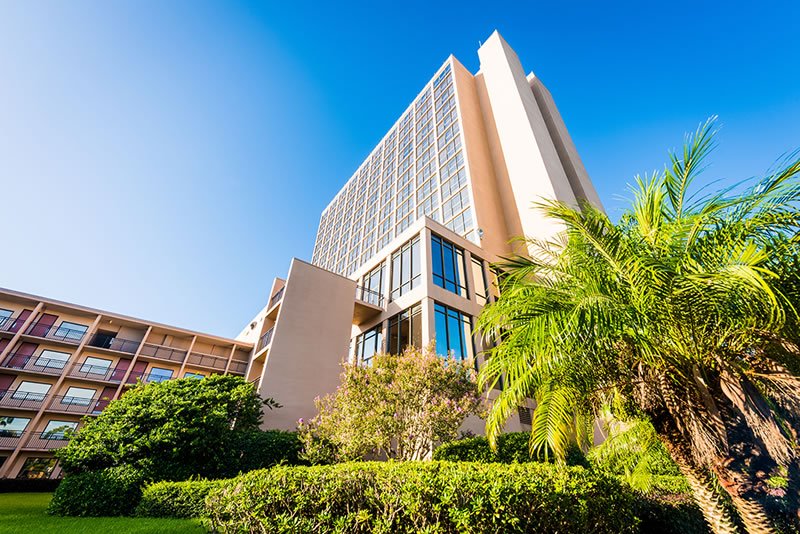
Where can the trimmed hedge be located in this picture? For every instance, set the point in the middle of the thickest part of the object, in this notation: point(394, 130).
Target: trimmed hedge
point(176, 499)
point(29, 485)
point(441, 497)
point(265, 448)
point(511, 447)
point(109, 492)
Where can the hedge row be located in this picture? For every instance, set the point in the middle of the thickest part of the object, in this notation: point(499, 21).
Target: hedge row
point(511, 447)
point(439, 497)
point(176, 499)
point(116, 491)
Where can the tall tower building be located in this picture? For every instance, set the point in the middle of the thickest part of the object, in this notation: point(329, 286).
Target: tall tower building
point(404, 248)
point(401, 258)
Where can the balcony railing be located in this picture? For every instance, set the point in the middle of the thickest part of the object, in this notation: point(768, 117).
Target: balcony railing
point(163, 353)
point(71, 404)
point(276, 297)
point(47, 441)
point(370, 296)
point(34, 363)
point(208, 360)
point(265, 339)
point(24, 400)
point(60, 333)
point(11, 324)
point(104, 341)
point(96, 372)
point(9, 439)
point(237, 367)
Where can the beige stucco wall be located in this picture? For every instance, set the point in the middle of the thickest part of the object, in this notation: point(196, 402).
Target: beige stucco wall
point(531, 160)
point(311, 340)
point(486, 195)
point(570, 160)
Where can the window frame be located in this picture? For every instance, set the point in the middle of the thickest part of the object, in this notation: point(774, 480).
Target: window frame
point(449, 258)
point(466, 342)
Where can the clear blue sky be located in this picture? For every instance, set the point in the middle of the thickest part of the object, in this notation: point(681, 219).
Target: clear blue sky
point(166, 159)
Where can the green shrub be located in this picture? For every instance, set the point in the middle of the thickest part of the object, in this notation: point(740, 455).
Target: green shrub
point(109, 492)
point(262, 449)
point(511, 447)
point(171, 430)
point(175, 499)
point(441, 497)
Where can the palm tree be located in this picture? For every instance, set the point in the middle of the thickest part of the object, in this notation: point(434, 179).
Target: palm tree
point(684, 312)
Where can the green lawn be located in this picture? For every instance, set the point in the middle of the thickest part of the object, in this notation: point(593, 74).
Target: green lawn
point(24, 513)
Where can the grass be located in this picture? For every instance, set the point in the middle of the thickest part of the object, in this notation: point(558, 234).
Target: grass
point(25, 513)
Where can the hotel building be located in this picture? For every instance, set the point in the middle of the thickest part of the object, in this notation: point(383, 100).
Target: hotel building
point(402, 252)
point(61, 362)
point(401, 258)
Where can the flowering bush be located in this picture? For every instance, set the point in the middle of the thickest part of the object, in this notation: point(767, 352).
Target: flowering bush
point(398, 407)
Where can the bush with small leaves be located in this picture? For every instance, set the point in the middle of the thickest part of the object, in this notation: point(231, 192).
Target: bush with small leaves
point(176, 499)
point(406, 497)
point(108, 492)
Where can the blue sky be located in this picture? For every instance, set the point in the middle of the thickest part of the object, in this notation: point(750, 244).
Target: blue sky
point(167, 159)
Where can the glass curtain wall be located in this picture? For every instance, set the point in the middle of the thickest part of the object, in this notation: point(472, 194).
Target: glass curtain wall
point(405, 329)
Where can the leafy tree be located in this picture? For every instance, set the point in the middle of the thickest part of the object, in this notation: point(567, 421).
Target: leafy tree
point(683, 312)
point(399, 406)
point(171, 430)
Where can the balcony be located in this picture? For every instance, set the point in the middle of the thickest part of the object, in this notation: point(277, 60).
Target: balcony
point(96, 372)
point(56, 333)
point(238, 367)
point(46, 441)
point(9, 439)
point(207, 360)
point(37, 364)
point(70, 404)
point(265, 339)
point(273, 304)
point(160, 352)
point(276, 298)
point(105, 341)
point(11, 324)
point(368, 304)
point(22, 400)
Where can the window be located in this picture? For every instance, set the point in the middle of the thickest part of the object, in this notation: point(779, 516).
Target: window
point(368, 345)
point(51, 359)
point(59, 429)
point(103, 339)
point(373, 285)
point(198, 376)
point(479, 277)
point(13, 427)
point(5, 315)
point(448, 266)
point(78, 396)
point(524, 416)
point(158, 374)
point(405, 329)
point(453, 333)
point(95, 366)
point(37, 468)
point(70, 331)
point(405, 268)
point(31, 391)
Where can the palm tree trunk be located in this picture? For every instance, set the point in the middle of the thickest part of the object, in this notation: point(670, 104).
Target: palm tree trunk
point(751, 512)
point(714, 510)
